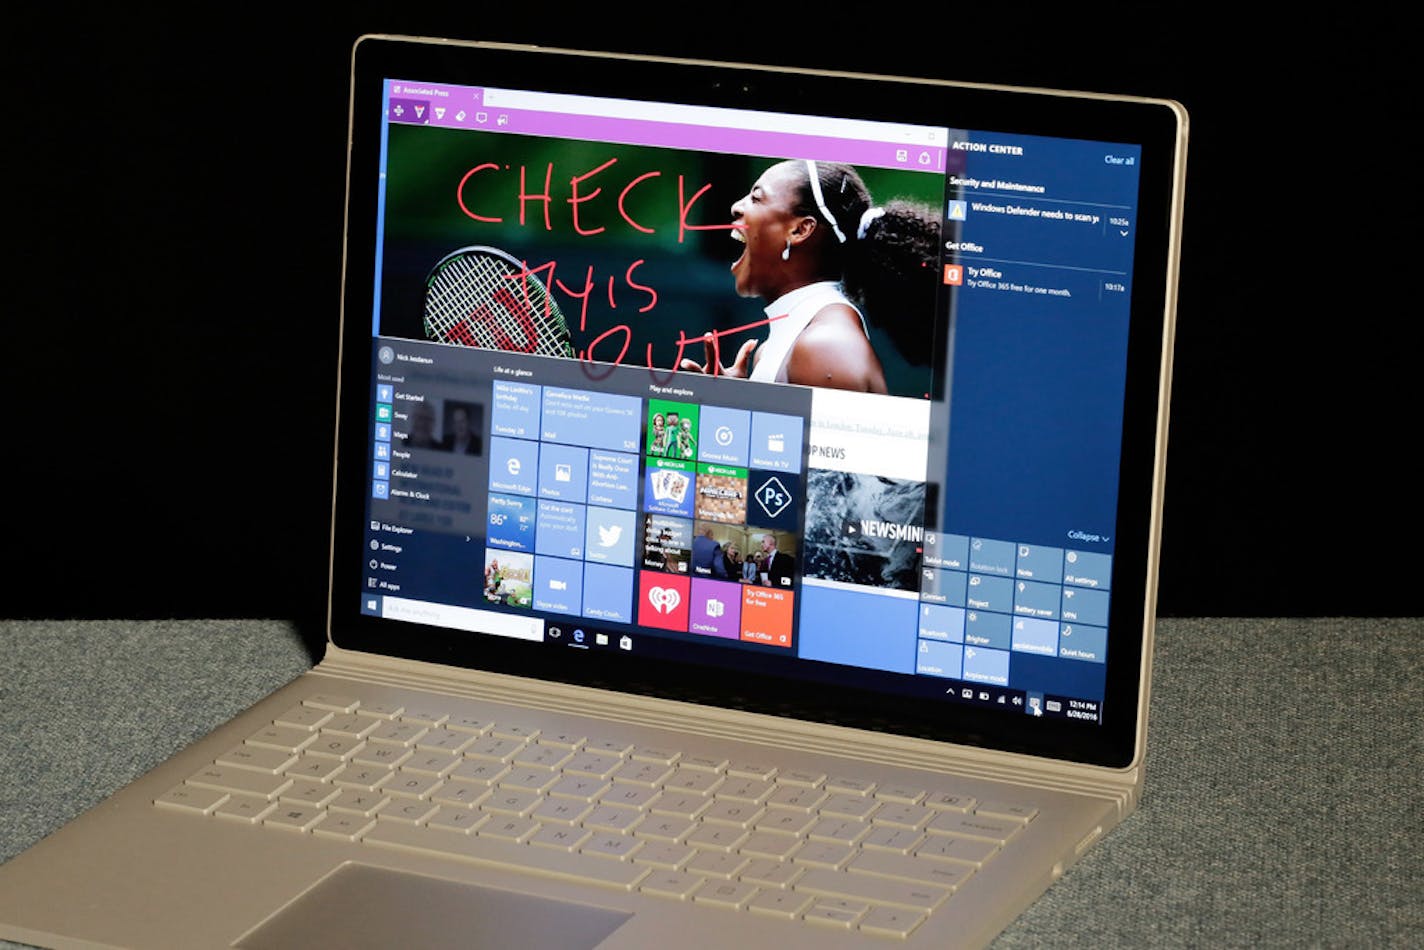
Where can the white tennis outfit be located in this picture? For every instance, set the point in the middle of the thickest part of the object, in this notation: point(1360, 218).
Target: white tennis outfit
point(799, 307)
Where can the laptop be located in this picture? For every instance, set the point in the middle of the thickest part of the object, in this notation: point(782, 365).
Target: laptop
point(745, 524)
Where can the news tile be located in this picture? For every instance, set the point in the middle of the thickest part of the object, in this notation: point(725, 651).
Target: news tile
point(1078, 641)
point(514, 466)
point(726, 435)
point(715, 609)
point(511, 523)
point(663, 600)
point(592, 419)
point(563, 472)
point(864, 529)
point(982, 629)
point(559, 529)
point(1086, 569)
point(711, 544)
point(767, 615)
point(941, 623)
point(612, 479)
point(608, 593)
point(982, 665)
point(558, 585)
point(776, 442)
point(934, 658)
point(858, 628)
point(515, 410)
point(611, 537)
point(1036, 636)
point(1037, 563)
point(1085, 606)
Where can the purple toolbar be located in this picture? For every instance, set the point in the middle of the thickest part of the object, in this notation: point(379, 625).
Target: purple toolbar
point(460, 107)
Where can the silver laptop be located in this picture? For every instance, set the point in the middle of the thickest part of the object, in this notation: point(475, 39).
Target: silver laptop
point(744, 531)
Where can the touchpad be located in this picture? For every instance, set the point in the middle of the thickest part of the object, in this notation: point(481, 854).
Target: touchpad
point(358, 906)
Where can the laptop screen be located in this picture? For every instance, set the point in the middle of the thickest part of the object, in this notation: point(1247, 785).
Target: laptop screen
point(823, 399)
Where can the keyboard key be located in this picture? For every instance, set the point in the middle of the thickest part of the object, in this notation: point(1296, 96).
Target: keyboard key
point(445, 740)
point(307, 718)
point(840, 785)
point(787, 905)
point(872, 890)
point(805, 799)
point(562, 839)
point(342, 826)
point(348, 724)
point(766, 873)
point(424, 716)
point(229, 779)
point(1007, 810)
point(358, 801)
point(655, 754)
point(288, 738)
point(949, 801)
point(664, 854)
point(315, 794)
point(293, 817)
point(899, 793)
point(916, 870)
point(964, 850)
point(887, 838)
point(617, 847)
point(259, 758)
point(397, 732)
point(716, 864)
point(894, 922)
point(729, 894)
point(672, 884)
point(248, 809)
point(408, 810)
point(509, 828)
point(756, 770)
point(459, 792)
point(455, 819)
point(332, 702)
point(832, 912)
point(997, 830)
point(191, 798)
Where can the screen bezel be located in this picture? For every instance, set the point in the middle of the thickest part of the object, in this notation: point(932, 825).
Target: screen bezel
point(1152, 125)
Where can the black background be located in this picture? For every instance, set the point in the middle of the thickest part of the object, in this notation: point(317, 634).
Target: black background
point(173, 274)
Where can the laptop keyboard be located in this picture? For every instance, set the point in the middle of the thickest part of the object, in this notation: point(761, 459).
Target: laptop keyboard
point(835, 850)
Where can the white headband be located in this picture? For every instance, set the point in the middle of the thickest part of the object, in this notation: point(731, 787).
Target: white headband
point(821, 201)
point(866, 220)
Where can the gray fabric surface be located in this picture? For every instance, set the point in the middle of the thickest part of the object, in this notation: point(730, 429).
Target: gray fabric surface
point(1282, 807)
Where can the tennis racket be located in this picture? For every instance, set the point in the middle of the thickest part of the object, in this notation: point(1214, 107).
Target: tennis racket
point(481, 296)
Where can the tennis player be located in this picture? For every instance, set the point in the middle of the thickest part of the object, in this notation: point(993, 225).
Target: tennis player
point(816, 251)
